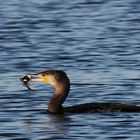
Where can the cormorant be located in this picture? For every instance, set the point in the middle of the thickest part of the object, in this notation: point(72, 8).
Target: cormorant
point(61, 83)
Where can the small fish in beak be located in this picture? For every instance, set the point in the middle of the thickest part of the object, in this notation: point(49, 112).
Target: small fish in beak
point(25, 80)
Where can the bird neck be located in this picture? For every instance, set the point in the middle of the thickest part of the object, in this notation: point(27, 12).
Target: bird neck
point(55, 104)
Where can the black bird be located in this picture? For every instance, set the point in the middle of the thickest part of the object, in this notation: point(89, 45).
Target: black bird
point(61, 83)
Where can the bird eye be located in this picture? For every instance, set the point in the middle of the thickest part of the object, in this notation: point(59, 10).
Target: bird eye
point(43, 74)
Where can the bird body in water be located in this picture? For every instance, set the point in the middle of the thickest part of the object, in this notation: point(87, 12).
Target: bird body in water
point(61, 83)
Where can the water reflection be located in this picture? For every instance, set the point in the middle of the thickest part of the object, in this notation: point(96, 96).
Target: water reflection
point(48, 126)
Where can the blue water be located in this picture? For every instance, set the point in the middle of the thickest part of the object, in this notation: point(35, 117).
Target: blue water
point(96, 42)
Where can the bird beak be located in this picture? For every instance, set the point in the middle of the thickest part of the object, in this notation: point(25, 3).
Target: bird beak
point(39, 77)
point(35, 77)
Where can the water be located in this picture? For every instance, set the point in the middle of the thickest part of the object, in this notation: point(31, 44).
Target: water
point(96, 42)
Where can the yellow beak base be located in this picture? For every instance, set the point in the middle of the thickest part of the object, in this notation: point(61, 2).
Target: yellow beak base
point(43, 78)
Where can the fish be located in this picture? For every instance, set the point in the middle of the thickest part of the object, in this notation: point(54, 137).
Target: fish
point(25, 80)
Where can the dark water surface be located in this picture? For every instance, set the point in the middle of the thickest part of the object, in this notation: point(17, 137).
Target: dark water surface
point(97, 42)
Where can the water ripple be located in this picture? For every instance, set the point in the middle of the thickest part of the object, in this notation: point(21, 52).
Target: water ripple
point(95, 42)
